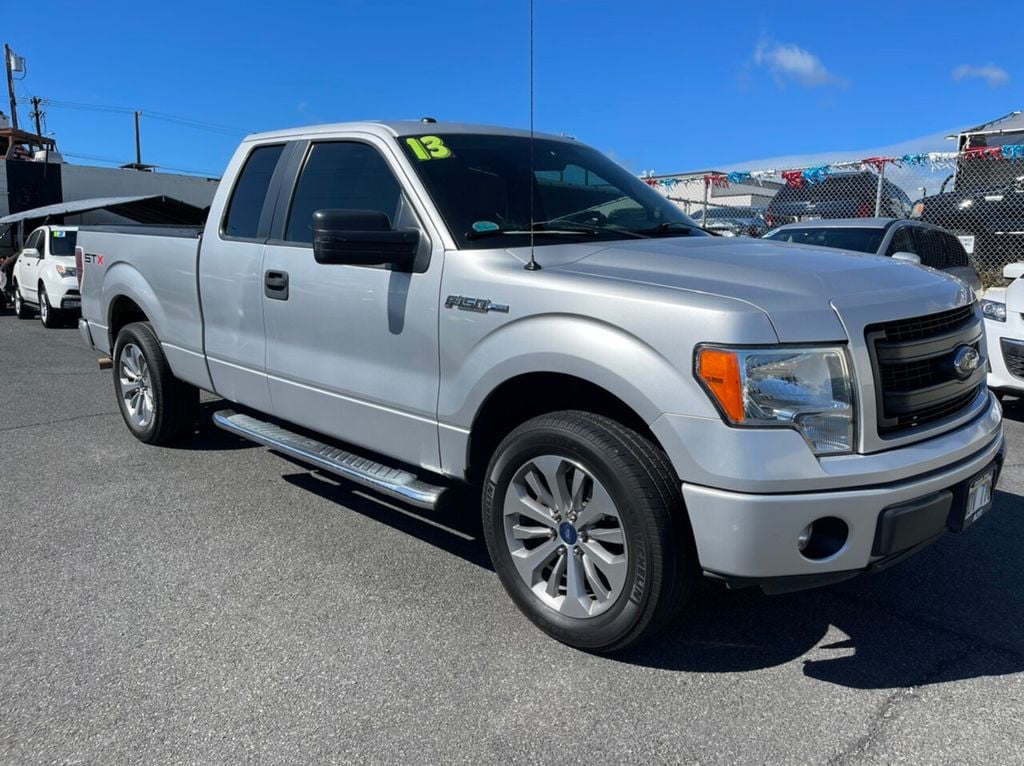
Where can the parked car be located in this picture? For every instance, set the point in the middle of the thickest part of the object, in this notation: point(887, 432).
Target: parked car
point(1003, 309)
point(989, 222)
point(44, 276)
point(733, 221)
point(637, 402)
point(840, 195)
point(915, 241)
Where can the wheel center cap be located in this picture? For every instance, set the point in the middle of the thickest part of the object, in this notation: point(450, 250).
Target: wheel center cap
point(568, 533)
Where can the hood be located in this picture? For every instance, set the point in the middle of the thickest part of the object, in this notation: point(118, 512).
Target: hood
point(800, 288)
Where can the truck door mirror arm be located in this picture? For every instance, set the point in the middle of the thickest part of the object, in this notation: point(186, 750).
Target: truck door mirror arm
point(362, 238)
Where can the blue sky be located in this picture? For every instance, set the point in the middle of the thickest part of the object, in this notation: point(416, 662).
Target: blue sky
point(663, 86)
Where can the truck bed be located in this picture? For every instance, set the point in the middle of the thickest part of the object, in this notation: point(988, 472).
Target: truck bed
point(156, 268)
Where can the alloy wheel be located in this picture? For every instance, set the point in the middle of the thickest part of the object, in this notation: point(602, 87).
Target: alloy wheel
point(136, 389)
point(565, 536)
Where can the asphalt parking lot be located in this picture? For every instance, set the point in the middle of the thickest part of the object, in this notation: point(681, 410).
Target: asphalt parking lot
point(219, 604)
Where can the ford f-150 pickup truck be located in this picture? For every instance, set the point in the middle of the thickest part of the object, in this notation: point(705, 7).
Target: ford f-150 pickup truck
point(415, 305)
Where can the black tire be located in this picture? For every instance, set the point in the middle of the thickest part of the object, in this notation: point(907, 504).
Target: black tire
point(661, 565)
point(21, 310)
point(48, 315)
point(174, 403)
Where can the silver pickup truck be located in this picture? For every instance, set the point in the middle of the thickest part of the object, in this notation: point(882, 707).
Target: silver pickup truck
point(417, 305)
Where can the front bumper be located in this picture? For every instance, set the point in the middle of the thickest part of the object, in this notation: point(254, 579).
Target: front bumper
point(1004, 338)
point(751, 538)
point(64, 294)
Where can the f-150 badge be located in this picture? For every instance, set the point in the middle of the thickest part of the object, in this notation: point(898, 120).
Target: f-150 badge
point(480, 305)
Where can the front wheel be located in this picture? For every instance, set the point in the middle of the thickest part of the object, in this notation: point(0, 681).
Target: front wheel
point(157, 407)
point(586, 528)
point(48, 315)
point(20, 309)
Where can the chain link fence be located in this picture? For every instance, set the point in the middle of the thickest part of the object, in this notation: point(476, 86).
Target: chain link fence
point(977, 194)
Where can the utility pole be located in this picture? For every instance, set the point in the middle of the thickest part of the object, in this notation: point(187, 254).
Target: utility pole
point(37, 115)
point(138, 142)
point(137, 165)
point(8, 63)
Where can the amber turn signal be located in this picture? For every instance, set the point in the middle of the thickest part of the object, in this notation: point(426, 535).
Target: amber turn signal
point(720, 372)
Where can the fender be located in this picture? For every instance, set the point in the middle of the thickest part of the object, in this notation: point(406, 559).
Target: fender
point(601, 353)
point(183, 352)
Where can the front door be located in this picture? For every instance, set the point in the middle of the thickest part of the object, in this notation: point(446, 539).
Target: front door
point(28, 267)
point(352, 351)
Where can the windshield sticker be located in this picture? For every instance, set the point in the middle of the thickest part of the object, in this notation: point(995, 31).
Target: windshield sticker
point(485, 226)
point(429, 148)
point(59, 234)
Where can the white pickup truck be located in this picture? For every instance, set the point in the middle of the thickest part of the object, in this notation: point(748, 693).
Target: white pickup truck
point(44, 276)
point(414, 305)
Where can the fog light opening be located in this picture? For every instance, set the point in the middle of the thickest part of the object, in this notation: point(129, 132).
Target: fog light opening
point(822, 538)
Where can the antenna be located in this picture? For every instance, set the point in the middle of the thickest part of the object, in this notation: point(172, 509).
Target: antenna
point(532, 265)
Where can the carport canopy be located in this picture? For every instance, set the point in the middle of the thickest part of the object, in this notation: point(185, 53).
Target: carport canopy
point(151, 209)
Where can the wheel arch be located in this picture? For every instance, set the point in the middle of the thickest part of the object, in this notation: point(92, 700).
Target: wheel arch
point(122, 311)
point(530, 394)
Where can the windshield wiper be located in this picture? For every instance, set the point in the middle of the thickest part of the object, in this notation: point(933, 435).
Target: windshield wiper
point(595, 228)
point(565, 231)
point(679, 228)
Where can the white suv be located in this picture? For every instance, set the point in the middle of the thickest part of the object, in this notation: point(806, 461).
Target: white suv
point(45, 277)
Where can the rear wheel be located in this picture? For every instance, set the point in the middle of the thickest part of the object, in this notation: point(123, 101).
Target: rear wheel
point(20, 309)
point(586, 528)
point(49, 316)
point(157, 407)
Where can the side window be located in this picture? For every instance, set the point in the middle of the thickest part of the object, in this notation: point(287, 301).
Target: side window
point(902, 242)
point(243, 215)
point(929, 247)
point(35, 241)
point(954, 251)
point(342, 176)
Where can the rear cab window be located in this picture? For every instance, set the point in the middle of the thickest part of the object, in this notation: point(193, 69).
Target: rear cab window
point(248, 198)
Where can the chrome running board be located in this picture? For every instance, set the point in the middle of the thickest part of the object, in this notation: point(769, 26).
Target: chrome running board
point(396, 483)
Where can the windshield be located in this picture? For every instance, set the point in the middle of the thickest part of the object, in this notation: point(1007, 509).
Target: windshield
point(62, 242)
point(861, 240)
point(482, 186)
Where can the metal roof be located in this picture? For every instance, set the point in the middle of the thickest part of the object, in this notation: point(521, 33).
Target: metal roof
point(855, 223)
point(1008, 123)
point(152, 208)
point(395, 128)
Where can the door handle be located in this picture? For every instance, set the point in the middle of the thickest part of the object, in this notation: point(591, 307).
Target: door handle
point(275, 285)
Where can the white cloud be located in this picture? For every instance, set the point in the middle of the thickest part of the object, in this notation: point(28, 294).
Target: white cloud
point(787, 61)
point(990, 73)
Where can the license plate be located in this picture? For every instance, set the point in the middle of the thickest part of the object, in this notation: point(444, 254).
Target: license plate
point(979, 497)
point(967, 240)
point(72, 304)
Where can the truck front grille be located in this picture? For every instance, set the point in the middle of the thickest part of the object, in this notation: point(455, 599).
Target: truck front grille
point(915, 375)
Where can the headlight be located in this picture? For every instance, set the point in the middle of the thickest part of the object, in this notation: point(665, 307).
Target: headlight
point(807, 389)
point(65, 271)
point(993, 310)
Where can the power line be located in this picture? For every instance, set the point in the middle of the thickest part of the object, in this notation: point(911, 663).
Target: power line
point(111, 161)
point(164, 116)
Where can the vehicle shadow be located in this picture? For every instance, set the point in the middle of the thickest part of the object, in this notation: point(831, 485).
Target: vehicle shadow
point(208, 437)
point(909, 625)
point(906, 626)
point(914, 624)
point(454, 528)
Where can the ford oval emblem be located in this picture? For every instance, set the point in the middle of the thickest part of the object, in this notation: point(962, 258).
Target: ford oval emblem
point(965, 361)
